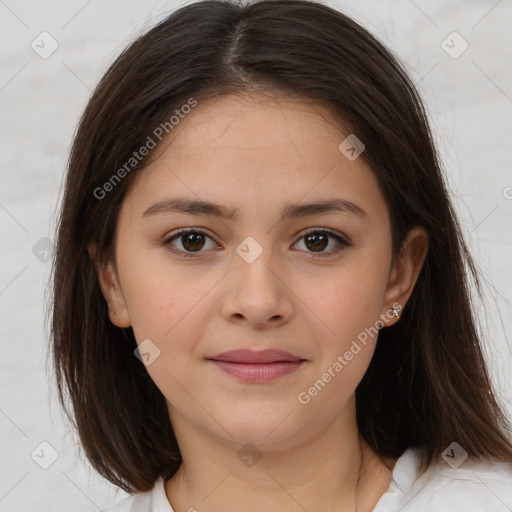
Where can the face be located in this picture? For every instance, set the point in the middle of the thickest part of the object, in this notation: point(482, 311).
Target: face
point(258, 271)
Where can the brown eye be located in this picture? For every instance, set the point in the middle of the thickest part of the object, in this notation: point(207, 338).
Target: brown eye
point(191, 241)
point(318, 240)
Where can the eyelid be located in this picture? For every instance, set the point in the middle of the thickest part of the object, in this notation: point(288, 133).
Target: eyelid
point(333, 232)
point(174, 235)
point(342, 240)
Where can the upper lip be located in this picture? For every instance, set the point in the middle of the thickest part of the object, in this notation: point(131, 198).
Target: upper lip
point(251, 356)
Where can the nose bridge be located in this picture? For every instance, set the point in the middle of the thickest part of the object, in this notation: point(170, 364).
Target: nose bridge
point(257, 292)
point(256, 265)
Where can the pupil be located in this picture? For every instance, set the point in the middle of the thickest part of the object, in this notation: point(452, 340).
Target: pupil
point(317, 243)
point(192, 239)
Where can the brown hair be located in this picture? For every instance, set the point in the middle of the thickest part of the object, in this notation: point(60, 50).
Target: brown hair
point(427, 384)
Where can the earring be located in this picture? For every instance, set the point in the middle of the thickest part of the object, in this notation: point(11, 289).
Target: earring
point(395, 312)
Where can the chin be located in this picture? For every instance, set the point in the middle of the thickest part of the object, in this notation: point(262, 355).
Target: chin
point(272, 432)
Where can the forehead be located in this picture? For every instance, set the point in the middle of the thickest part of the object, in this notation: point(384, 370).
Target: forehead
point(252, 121)
point(255, 151)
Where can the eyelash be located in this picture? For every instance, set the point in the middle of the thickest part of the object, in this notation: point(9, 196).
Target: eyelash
point(342, 241)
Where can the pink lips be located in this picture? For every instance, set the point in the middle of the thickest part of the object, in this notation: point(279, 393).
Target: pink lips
point(257, 366)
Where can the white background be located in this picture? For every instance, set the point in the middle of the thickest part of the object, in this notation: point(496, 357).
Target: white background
point(470, 104)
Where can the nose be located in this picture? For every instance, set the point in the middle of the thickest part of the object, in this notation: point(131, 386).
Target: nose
point(258, 294)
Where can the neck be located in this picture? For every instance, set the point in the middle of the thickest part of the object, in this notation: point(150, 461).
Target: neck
point(330, 471)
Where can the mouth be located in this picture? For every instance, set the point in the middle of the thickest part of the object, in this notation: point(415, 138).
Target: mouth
point(252, 357)
point(251, 366)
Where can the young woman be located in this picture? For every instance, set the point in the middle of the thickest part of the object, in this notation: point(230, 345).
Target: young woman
point(261, 290)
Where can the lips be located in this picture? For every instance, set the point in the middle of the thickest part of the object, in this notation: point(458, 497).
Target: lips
point(257, 366)
point(250, 356)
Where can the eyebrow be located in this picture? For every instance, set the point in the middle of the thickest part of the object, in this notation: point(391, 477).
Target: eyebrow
point(290, 210)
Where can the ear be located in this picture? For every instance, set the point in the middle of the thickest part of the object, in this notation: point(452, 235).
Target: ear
point(111, 290)
point(404, 274)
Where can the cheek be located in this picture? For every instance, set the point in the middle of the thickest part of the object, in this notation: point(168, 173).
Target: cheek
point(162, 299)
point(348, 306)
point(170, 309)
point(348, 301)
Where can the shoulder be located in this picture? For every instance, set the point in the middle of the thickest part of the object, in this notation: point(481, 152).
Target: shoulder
point(153, 500)
point(137, 502)
point(140, 502)
point(472, 486)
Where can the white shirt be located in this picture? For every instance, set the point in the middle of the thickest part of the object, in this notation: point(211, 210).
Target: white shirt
point(474, 486)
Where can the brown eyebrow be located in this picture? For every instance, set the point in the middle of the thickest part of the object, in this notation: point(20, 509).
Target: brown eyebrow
point(290, 210)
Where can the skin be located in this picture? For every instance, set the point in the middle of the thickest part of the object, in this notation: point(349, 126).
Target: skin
point(256, 153)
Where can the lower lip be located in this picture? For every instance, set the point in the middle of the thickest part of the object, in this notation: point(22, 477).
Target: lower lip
point(258, 372)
